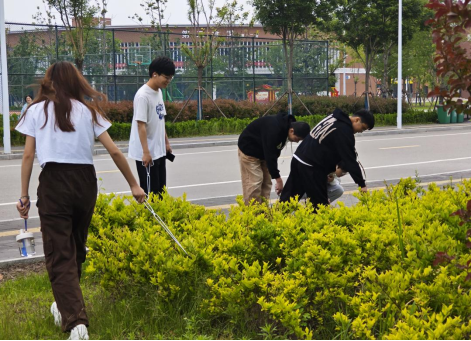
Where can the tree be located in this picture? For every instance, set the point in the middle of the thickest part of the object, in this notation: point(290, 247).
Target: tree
point(232, 56)
point(289, 20)
point(78, 18)
point(310, 59)
point(23, 63)
point(155, 10)
point(204, 42)
point(418, 61)
point(450, 26)
point(414, 16)
point(368, 26)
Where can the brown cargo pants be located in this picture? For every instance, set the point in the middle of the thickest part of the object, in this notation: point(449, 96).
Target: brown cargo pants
point(256, 179)
point(66, 199)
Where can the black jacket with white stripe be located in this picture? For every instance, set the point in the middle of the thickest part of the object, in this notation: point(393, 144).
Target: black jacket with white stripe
point(330, 142)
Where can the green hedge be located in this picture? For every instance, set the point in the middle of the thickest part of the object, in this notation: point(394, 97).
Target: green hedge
point(356, 272)
point(320, 105)
point(219, 126)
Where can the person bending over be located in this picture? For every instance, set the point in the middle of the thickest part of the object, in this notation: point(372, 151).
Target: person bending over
point(260, 145)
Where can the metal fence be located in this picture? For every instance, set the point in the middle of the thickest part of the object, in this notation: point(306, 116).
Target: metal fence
point(117, 63)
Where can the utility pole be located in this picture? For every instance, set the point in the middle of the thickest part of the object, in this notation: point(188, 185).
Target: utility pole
point(399, 69)
point(5, 96)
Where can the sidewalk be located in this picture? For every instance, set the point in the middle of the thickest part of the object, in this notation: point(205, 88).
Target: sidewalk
point(231, 140)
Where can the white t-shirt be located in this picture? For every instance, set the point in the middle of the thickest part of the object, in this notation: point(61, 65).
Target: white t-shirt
point(55, 145)
point(149, 108)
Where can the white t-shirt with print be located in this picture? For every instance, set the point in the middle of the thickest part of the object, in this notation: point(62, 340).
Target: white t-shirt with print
point(55, 145)
point(149, 108)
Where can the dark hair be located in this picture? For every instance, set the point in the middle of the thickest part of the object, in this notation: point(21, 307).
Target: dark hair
point(162, 65)
point(366, 117)
point(29, 97)
point(301, 129)
point(62, 83)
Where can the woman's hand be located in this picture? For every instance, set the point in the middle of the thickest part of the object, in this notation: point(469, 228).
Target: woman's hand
point(23, 205)
point(138, 194)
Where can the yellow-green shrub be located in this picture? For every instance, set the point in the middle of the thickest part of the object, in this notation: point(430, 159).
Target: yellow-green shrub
point(339, 273)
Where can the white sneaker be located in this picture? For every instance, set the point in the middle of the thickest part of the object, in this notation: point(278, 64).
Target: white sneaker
point(57, 315)
point(79, 332)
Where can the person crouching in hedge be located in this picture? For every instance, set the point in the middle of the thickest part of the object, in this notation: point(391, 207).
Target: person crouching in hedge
point(260, 146)
point(330, 142)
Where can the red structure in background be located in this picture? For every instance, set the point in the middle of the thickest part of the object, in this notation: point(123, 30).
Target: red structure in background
point(264, 94)
point(334, 92)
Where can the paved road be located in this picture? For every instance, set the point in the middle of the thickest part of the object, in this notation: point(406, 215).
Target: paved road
point(210, 175)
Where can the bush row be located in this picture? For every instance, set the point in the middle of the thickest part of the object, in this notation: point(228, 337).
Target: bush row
point(319, 105)
point(219, 126)
point(395, 266)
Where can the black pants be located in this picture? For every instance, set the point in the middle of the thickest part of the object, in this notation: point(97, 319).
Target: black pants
point(158, 176)
point(66, 198)
point(306, 179)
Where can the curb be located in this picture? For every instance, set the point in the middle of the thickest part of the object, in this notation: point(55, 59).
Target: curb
point(18, 261)
point(379, 132)
point(124, 148)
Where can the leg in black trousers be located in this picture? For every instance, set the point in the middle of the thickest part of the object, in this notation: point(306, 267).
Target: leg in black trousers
point(158, 176)
point(293, 185)
point(306, 179)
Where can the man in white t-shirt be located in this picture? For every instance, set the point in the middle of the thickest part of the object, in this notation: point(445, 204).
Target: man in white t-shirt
point(148, 144)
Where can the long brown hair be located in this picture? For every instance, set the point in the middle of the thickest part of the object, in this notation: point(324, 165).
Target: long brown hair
point(62, 83)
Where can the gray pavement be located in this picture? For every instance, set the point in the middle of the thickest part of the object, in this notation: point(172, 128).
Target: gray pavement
point(207, 170)
point(230, 140)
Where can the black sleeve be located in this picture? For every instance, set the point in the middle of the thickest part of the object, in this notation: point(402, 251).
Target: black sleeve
point(270, 136)
point(346, 149)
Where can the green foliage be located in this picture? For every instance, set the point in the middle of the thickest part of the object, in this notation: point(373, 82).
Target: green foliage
point(288, 20)
point(450, 25)
point(282, 18)
point(370, 27)
point(132, 317)
point(284, 271)
point(225, 126)
point(78, 18)
point(318, 105)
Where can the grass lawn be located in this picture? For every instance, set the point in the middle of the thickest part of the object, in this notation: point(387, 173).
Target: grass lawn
point(25, 315)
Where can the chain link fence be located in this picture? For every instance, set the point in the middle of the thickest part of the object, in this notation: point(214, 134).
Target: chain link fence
point(117, 60)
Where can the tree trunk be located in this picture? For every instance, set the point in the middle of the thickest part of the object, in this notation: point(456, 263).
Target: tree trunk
point(79, 64)
point(290, 77)
point(199, 113)
point(367, 78)
point(384, 81)
point(290, 65)
point(200, 76)
point(289, 68)
point(285, 51)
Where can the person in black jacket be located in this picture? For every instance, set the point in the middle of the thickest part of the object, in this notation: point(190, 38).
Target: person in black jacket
point(330, 142)
point(260, 145)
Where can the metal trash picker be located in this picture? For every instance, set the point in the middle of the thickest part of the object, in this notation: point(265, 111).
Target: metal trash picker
point(156, 216)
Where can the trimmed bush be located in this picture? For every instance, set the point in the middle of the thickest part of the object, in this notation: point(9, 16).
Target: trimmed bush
point(220, 126)
point(348, 272)
point(318, 105)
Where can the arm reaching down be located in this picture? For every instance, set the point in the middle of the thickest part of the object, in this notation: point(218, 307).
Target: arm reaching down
point(121, 162)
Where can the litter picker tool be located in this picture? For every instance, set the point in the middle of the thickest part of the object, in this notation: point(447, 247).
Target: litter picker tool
point(156, 216)
point(25, 240)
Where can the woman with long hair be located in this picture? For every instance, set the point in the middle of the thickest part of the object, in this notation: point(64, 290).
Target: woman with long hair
point(61, 126)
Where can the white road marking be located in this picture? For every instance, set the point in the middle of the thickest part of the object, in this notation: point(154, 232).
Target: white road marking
point(360, 139)
point(401, 147)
